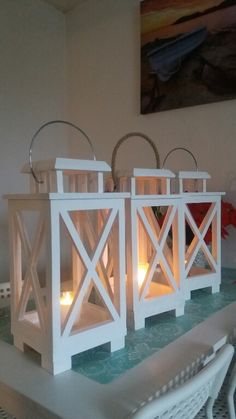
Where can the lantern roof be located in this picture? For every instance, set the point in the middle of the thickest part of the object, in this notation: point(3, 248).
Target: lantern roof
point(193, 175)
point(65, 164)
point(160, 173)
point(143, 172)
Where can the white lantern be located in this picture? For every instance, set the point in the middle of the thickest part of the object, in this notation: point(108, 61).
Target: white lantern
point(201, 229)
point(67, 262)
point(153, 248)
point(202, 260)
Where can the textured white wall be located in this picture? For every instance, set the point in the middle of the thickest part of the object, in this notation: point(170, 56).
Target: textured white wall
point(103, 92)
point(32, 74)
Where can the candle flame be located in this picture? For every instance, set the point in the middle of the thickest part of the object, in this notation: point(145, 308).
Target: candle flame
point(66, 298)
point(142, 270)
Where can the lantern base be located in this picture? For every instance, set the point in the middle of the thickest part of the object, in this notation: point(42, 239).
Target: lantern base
point(202, 280)
point(136, 319)
point(55, 357)
point(58, 366)
point(117, 344)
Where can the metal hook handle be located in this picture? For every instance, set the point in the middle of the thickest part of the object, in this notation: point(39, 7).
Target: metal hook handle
point(183, 149)
point(125, 137)
point(57, 121)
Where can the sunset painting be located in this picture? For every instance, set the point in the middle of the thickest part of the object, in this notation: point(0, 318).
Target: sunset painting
point(188, 53)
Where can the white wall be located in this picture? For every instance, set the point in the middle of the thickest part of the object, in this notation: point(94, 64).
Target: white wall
point(102, 42)
point(103, 92)
point(32, 81)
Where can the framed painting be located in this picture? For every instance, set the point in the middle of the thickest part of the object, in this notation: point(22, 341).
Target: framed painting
point(188, 53)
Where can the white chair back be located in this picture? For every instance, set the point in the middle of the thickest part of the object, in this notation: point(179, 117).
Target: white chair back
point(185, 401)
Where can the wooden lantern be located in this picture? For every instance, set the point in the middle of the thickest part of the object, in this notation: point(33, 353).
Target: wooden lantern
point(67, 263)
point(154, 283)
point(201, 220)
point(200, 228)
point(153, 248)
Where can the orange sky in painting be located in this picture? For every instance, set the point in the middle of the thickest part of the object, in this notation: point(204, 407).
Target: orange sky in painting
point(213, 22)
point(152, 5)
point(156, 14)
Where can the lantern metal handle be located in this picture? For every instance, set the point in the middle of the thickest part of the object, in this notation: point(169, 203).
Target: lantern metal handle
point(183, 149)
point(57, 121)
point(121, 141)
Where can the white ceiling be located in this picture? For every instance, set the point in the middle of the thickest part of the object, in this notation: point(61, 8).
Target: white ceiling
point(63, 5)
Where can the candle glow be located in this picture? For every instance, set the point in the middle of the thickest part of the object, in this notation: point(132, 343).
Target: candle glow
point(66, 298)
point(142, 270)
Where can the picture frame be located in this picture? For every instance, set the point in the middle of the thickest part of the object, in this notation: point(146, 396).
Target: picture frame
point(188, 53)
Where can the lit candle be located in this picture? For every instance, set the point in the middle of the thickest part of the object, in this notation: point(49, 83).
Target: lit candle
point(66, 298)
point(142, 270)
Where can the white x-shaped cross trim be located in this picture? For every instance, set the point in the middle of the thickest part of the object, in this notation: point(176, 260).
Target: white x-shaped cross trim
point(31, 278)
point(159, 247)
point(90, 265)
point(198, 241)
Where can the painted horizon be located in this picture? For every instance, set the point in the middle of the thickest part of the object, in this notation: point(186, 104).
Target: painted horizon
point(188, 53)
